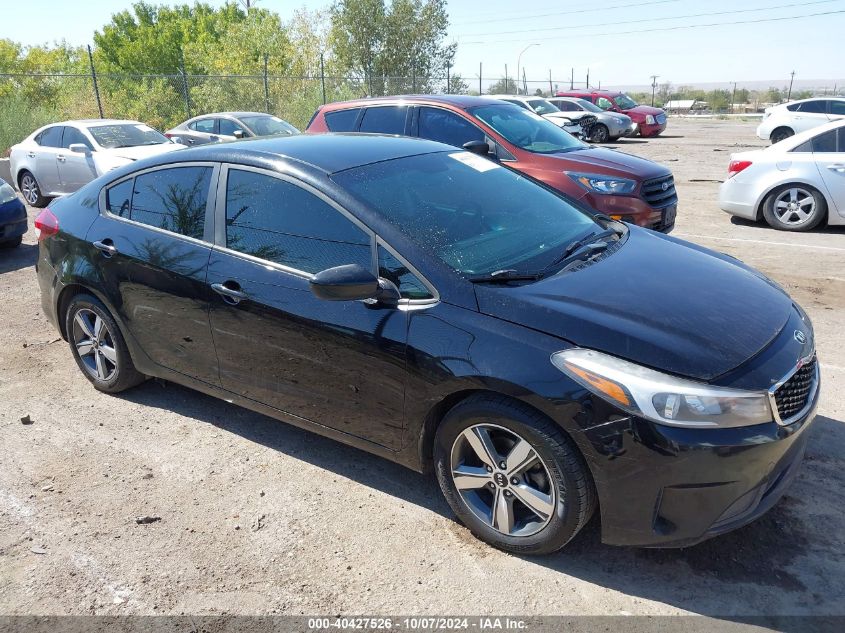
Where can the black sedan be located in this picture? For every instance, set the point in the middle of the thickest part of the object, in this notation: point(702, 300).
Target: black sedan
point(12, 217)
point(440, 310)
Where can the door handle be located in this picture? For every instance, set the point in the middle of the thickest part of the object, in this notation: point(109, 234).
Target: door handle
point(61, 158)
point(230, 295)
point(840, 167)
point(105, 247)
point(31, 154)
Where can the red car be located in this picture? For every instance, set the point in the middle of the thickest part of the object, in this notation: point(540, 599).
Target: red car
point(650, 121)
point(620, 185)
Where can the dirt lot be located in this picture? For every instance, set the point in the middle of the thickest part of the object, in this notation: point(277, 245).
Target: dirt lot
point(258, 517)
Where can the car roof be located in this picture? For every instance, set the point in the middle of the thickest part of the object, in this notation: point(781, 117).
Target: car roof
point(460, 101)
point(330, 153)
point(95, 122)
point(602, 93)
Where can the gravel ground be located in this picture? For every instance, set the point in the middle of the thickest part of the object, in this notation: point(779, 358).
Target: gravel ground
point(258, 517)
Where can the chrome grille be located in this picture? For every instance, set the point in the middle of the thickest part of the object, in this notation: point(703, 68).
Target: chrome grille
point(654, 193)
point(587, 121)
point(792, 395)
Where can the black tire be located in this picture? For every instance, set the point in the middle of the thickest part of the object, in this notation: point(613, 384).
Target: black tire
point(784, 220)
point(599, 133)
point(574, 493)
point(31, 190)
point(781, 133)
point(13, 243)
point(120, 372)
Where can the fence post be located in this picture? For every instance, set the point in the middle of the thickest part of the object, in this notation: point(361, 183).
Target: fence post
point(96, 87)
point(266, 86)
point(185, 92)
point(480, 91)
point(323, 77)
point(551, 90)
point(448, 77)
point(414, 78)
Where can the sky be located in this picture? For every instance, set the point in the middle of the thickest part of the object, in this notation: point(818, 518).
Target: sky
point(621, 42)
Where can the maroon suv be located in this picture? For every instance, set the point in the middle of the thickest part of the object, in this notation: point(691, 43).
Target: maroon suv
point(620, 185)
point(650, 121)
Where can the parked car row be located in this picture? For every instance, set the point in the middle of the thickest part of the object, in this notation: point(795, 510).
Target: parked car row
point(649, 121)
point(620, 185)
point(58, 159)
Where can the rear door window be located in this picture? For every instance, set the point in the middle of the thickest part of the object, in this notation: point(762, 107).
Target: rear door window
point(837, 108)
point(51, 137)
point(818, 106)
point(342, 120)
point(279, 221)
point(447, 127)
point(384, 120)
point(172, 199)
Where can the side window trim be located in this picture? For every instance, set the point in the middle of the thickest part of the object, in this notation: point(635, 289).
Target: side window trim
point(435, 296)
point(219, 241)
point(210, 212)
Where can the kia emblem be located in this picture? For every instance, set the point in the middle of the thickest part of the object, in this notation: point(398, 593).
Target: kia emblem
point(799, 336)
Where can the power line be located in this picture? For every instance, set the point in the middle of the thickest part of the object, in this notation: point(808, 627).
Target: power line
point(654, 19)
point(670, 28)
point(525, 16)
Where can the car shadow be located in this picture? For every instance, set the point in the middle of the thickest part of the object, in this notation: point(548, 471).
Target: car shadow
point(23, 256)
point(826, 229)
point(765, 553)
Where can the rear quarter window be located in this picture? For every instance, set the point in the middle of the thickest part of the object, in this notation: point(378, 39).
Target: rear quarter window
point(119, 197)
point(342, 120)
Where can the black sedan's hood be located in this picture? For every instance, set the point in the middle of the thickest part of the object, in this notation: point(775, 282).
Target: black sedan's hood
point(657, 301)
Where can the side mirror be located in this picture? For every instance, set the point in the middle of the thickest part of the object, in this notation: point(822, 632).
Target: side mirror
point(345, 283)
point(79, 148)
point(477, 147)
point(238, 133)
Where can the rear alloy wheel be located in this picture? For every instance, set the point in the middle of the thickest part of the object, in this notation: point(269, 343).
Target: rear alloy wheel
point(98, 346)
point(780, 134)
point(599, 133)
point(512, 476)
point(794, 208)
point(31, 191)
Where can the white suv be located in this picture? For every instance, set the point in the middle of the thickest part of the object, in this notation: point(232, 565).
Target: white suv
point(784, 120)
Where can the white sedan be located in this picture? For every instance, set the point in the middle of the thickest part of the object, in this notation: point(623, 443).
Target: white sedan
point(794, 185)
point(784, 120)
point(58, 159)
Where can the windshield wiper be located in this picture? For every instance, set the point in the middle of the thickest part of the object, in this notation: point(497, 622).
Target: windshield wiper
point(504, 276)
point(588, 245)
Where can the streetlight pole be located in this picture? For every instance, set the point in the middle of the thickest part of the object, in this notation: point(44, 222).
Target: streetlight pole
point(653, 87)
point(518, 60)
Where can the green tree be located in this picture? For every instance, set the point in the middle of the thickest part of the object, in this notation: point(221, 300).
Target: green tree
point(392, 48)
point(503, 87)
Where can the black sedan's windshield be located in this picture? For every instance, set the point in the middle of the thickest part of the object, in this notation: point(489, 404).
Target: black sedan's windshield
point(527, 130)
point(126, 135)
point(473, 214)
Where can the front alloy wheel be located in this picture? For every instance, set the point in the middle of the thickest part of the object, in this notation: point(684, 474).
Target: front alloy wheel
point(511, 475)
point(502, 480)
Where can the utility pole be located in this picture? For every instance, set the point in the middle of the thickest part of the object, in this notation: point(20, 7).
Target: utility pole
point(480, 92)
point(506, 79)
point(571, 78)
point(653, 87)
point(791, 79)
point(551, 90)
point(733, 99)
point(94, 78)
point(588, 79)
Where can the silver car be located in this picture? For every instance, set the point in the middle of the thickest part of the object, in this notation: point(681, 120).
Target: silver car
point(229, 126)
point(609, 126)
point(578, 125)
point(795, 185)
point(58, 159)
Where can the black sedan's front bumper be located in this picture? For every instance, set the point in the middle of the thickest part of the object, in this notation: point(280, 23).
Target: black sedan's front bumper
point(662, 486)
